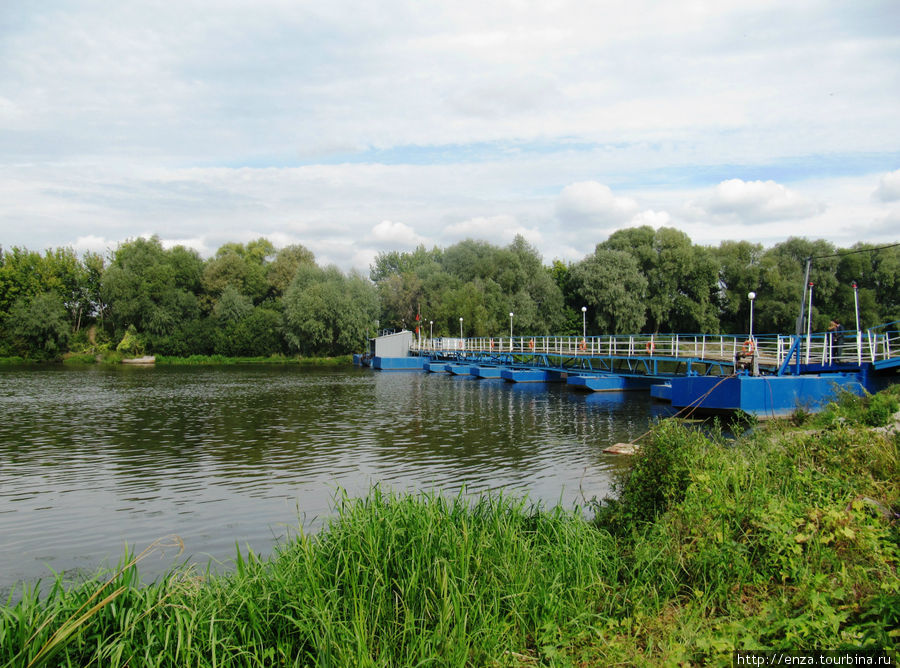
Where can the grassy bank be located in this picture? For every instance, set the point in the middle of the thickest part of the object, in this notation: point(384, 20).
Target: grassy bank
point(195, 360)
point(787, 538)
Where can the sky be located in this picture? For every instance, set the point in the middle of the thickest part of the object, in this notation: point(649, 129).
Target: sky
point(360, 127)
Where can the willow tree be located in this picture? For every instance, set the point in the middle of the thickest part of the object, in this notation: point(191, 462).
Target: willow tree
point(612, 287)
point(327, 312)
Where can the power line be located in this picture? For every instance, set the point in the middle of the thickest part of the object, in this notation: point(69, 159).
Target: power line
point(853, 252)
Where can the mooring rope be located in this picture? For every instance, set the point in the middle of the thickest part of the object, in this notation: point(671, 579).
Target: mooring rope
point(694, 405)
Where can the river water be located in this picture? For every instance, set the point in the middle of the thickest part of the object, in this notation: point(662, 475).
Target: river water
point(95, 459)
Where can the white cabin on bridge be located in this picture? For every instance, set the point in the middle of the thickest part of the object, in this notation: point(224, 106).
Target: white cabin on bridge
point(391, 345)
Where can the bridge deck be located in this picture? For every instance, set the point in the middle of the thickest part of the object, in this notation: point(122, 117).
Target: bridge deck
point(675, 354)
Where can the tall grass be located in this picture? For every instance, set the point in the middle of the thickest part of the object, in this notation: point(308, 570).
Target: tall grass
point(785, 538)
point(395, 580)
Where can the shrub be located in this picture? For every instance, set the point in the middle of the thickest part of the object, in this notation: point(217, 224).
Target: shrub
point(657, 479)
point(132, 343)
point(880, 409)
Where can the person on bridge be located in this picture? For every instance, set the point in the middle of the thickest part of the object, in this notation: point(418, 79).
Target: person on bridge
point(836, 332)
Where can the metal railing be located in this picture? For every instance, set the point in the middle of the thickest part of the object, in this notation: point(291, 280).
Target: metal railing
point(878, 343)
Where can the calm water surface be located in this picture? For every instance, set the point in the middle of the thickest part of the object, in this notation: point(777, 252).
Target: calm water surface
point(94, 459)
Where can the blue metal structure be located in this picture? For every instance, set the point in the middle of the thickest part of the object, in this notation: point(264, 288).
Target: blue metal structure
point(766, 375)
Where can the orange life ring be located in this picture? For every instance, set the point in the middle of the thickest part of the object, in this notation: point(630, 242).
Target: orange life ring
point(531, 344)
point(492, 344)
point(749, 347)
point(650, 347)
point(583, 344)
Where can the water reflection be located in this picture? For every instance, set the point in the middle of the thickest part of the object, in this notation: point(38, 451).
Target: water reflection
point(93, 458)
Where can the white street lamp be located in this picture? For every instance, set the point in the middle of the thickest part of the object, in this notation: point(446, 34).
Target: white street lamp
point(751, 296)
point(460, 328)
point(809, 321)
point(431, 331)
point(584, 322)
point(858, 333)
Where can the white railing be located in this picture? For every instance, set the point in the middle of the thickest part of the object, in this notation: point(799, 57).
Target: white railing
point(820, 348)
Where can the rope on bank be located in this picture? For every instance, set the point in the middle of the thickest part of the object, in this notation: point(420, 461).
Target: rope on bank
point(693, 406)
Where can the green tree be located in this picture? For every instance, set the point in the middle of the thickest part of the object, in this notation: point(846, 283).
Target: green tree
point(142, 287)
point(571, 320)
point(781, 285)
point(611, 285)
point(401, 297)
point(281, 271)
point(232, 307)
point(243, 267)
point(20, 276)
point(740, 266)
point(91, 289)
point(40, 325)
point(389, 263)
point(886, 283)
point(682, 279)
point(327, 313)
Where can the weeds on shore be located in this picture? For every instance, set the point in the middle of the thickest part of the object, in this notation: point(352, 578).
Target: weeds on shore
point(784, 538)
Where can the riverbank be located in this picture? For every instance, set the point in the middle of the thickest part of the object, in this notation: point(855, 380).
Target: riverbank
point(785, 538)
point(193, 360)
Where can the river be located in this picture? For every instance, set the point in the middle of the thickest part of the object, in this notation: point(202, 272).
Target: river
point(96, 458)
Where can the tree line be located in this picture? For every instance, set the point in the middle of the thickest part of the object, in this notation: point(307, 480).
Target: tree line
point(255, 300)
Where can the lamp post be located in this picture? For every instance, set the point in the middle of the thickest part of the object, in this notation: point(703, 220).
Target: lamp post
point(584, 322)
point(754, 366)
point(431, 331)
point(510, 329)
point(809, 321)
point(858, 333)
point(460, 328)
point(751, 296)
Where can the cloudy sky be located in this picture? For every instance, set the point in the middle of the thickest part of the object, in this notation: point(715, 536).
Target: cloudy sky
point(356, 127)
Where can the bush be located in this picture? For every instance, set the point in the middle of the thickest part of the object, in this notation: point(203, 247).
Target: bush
point(870, 410)
point(132, 343)
point(657, 479)
point(880, 410)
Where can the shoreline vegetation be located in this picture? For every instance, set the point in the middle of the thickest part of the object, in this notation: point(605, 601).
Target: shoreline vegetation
point(253, 300)
point(192, 360)
point(786, 537)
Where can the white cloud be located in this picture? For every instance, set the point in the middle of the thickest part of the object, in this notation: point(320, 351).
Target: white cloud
point(654, 219)
point(395, 235)
point(889, 187)
point(757, 201)
point(308, 123)
point(92, 244)
point(500, 229)
point(363, 259)
point(196, 243)
point(592, 205)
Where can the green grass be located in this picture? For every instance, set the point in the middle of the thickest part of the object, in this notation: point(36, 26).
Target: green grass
point(787, 538)
point(79, 358)
point(198, 360)
point(14, 359)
